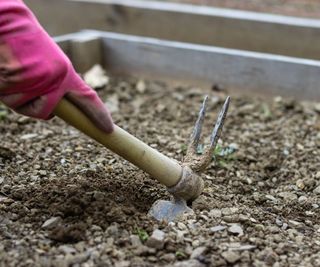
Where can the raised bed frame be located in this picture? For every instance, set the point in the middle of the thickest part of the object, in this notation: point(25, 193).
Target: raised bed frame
point(244, 51)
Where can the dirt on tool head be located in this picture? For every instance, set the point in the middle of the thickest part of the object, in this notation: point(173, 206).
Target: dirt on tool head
point(66, 201)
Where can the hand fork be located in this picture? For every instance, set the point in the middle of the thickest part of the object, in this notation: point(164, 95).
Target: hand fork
point(181, 180)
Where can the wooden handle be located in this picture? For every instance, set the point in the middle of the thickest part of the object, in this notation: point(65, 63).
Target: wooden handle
point(165, 170)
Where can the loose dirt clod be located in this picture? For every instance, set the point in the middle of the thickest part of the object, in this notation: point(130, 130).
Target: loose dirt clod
point(103, 200)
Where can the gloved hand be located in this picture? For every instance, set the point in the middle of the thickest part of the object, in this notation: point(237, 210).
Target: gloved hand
point(35, 74)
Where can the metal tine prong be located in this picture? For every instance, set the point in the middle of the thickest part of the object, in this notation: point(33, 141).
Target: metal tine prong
point(199, 163)
point(219, 125)
point(196, 133)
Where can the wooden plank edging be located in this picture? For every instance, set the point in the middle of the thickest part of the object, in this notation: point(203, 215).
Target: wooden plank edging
point(245, 72)
point(243, 30)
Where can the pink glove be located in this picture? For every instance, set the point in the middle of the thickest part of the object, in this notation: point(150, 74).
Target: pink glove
point(35, 74)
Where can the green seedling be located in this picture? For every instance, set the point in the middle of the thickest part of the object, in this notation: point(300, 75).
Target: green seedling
point(223, 156)
point(3, 112)
point(180, 254)
point(266, 110)
point(143, 235)
point(184, 148)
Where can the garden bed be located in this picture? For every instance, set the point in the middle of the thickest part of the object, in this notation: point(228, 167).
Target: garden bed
point(67, 201)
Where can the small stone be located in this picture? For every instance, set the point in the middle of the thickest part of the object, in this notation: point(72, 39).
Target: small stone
point(300, 184)
point(28, 136)
point(215, 213)
point(229, 211)
point(156, 240)
point(197, 252)
point(43, 172)
point(318, 175)
point(317, 107)
point(217, 228)
point(189, 263)
point(317, 190)
point(135, 241)
point(288, 196)
point(51, 223)
point(141, 86)
point(231, 256)
point(168, 257)
point(236, 229)
point(270, 197)
point(181, 226)
point(259, 227)
point(279, 222)
point(302, 199)
point(293, 223)
point(273, 229)
point(67, 249)
point(122, 264)
point(112, 230)
point(96, 77)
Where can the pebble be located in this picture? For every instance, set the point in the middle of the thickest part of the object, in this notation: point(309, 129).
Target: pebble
point(112, 230)
point(96, 77)
point(51, 223)
point(141, 86)
point(189, 263)
point(302, 199)
point(293, 223)
point(236, 229)
point(231, 256)
point(135, 240)
point(197, 252)
point(28, 136)
point(279, 222)
point(317, 190)
point(259, 227)
point(284, 226)
point(270, 197)
point(67, 249)
point(229, 211)
point(215, 213)
point(122, 264)
point(168, 257)
point(156, 240)
point(288, 196)
point(217, 228)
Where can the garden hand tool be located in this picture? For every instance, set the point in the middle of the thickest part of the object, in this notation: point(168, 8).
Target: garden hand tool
point(182, 181)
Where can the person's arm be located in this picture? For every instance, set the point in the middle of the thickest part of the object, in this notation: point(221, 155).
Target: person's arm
point(34, 72)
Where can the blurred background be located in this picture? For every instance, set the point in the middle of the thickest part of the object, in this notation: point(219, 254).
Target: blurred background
point(302, 8)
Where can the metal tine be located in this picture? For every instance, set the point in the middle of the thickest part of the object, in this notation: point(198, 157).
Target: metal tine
point(218, 126)
point(196, 133)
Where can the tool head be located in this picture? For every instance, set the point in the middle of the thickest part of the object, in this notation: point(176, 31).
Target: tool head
point(190, 185)
point(168, 211)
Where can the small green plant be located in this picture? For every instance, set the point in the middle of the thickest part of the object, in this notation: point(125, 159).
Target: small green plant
point(143, 235)
point(3, 112)
point(180, 254)
point(266, 112)
point(223, 156)
point(184, 148)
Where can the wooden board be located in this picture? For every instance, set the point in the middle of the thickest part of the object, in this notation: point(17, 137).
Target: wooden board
point(184, 23)
point(245, 72)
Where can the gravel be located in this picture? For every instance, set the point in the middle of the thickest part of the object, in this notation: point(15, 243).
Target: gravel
point(67, 201)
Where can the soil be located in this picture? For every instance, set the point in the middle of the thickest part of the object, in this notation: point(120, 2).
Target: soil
point(67, 201)
point(302, 8)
